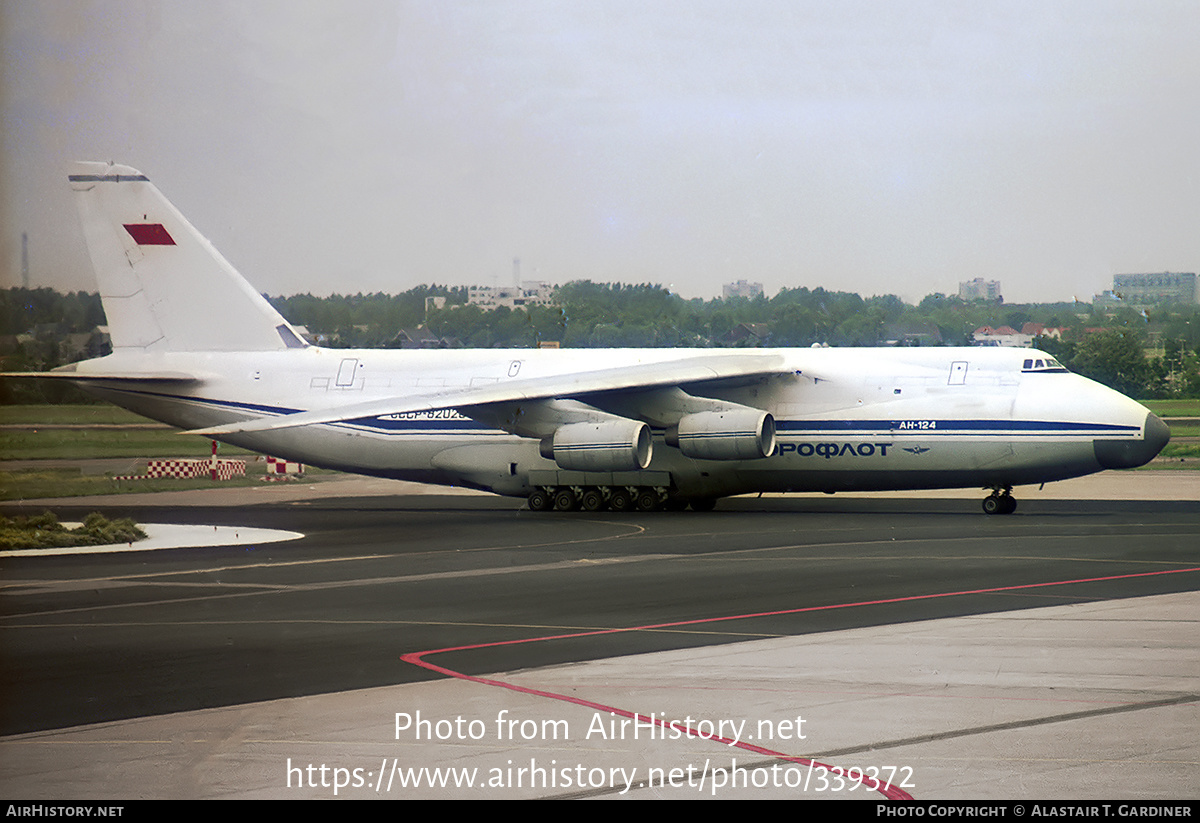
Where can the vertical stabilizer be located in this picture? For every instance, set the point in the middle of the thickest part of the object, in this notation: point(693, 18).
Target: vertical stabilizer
point(163, 285)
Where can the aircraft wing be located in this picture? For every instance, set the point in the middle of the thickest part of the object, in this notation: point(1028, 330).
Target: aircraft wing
point(645, 376)
point(128, 377)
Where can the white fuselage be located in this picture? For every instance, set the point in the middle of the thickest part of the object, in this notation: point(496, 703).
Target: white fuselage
point(867, 419)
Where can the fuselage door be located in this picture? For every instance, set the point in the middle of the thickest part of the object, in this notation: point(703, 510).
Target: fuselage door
point(345, 375)
point(958, 373)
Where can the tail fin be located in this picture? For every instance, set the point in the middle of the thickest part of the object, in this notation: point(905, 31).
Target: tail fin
point(164, 287)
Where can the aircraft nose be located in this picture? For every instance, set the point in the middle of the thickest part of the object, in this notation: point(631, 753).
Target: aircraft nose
point(1129, 454)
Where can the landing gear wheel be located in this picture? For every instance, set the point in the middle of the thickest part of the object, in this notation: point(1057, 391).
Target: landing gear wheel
point(648, 500)
point(999, 504)
point(703, 504)
point(592, 500)
point(540, 501)
point(565, 500)
point(620, 501)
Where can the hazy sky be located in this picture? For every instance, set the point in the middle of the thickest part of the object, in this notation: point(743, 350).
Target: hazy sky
point(876, 147)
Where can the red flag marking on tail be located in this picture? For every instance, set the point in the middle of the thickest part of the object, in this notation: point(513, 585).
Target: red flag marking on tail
point(149, 234)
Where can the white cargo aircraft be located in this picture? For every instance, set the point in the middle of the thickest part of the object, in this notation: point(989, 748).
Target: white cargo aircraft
point(195, 346)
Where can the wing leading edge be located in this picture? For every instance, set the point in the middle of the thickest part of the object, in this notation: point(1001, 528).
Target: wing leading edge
point(643, 377)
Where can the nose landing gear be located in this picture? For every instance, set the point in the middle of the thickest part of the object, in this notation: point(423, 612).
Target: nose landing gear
point(1000, 501)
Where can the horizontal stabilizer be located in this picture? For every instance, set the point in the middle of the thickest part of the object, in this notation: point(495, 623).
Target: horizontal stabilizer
point(633, 378)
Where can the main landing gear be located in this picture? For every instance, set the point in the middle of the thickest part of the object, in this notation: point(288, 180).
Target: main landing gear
point(615, 498)
point(1000, 501)
point(598, 498)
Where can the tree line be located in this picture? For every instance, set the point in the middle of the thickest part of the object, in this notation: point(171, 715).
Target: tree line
point(1143, 352)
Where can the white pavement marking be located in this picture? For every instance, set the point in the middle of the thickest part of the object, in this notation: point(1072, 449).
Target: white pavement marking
point(169, 536)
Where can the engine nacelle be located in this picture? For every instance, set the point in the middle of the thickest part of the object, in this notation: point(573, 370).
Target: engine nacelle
point(608, 446)
point(738, 434)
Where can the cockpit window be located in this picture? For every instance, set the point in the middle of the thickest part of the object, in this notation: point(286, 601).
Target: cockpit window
point(1039, 366)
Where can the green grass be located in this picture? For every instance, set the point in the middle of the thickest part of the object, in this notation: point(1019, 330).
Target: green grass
point(1173, 408)
point(39, 483)
point(1180, 450)
point(43, 531)
point(69, 415)
point(81, 444)
point(84, 443)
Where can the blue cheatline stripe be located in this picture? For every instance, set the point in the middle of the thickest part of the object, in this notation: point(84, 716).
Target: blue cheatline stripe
point(710, 435)
point(451, 426)
point(583, 447)
point(210, 401)
point(108, 178)
point(989, 428)
point(936, 427)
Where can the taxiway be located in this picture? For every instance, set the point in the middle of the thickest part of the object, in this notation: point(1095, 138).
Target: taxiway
point(911, 626)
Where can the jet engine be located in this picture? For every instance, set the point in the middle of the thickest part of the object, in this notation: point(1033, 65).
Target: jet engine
point(737, 434)
point(608, 446)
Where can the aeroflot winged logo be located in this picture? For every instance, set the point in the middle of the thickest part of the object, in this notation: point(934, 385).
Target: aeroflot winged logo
point(149, 234)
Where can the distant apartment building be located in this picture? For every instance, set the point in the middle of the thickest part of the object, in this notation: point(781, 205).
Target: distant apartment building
point(980, 289)
point(742, 288)
point(1155, 288)
point(529, 293)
